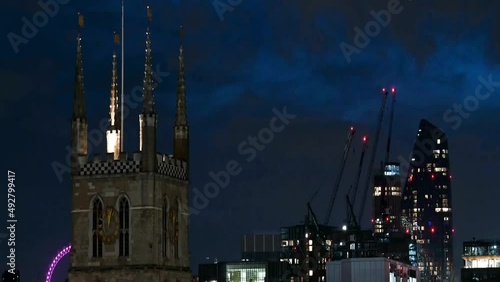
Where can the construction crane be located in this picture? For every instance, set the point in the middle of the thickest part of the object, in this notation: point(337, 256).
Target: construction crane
point(391, 119)
point(352, 222)
point(372, 157)
point(316, 225)
point(383, 195)
point(347, 146)
point(351, 219)
point(312, 262)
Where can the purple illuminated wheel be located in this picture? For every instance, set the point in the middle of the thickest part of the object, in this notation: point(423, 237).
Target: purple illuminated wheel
point(62, 253)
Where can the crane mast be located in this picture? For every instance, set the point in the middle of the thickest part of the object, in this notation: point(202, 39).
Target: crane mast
point(351, 203)
point(360, 169)
point(372, 157)
point(383, 194)
point(339, 174)
point(391, 119)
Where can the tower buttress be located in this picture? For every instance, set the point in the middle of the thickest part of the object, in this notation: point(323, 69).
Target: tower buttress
point(181, 128)
point(79, 123)
point(148, 118)
point(113, 132)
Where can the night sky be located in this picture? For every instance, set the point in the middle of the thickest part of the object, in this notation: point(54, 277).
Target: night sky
point(240, 65)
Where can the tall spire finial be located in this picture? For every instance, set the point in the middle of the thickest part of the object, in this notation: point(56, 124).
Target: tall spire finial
point(79, 98)
point(150, 15)
point(80, 22)
point(181, 115)
point(113, 134)
point(182, 34)
point(148, 101)
point(114, 116)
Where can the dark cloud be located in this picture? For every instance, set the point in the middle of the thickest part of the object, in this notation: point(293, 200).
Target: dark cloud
point(263, 55)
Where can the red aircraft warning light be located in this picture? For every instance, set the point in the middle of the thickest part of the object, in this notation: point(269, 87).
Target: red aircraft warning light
point(364, 138)
point(432, 230)
point(393, 90)
point(383, 89)
point(352, 128)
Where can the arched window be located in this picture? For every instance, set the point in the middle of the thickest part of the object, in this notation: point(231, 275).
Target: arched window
point(124, 211)
point(96, 221)
point(164, 225)
point(176, 226)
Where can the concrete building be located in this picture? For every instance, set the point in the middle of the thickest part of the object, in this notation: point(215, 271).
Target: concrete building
point(427, 203)
point(375, 269)
point(129, 212)
point(481, 261)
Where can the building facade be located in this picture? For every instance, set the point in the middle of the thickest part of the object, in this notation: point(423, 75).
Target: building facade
point(387, 201)
point(427, 203)
point(129, 212)
point(481, 261)
point(307, 248)
point(375, 269)
point(242, 271)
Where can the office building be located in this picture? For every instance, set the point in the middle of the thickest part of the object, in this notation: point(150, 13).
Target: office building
point(242, 271)
point(427, 203)
point(387, 201)
point(481, 261)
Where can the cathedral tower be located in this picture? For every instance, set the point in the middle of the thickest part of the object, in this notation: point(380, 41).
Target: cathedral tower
point(128, 211)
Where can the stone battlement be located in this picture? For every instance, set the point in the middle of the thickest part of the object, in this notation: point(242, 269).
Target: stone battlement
point(166, 165)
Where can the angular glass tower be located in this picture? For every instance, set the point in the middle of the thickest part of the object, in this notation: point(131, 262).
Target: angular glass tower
point(427, 203)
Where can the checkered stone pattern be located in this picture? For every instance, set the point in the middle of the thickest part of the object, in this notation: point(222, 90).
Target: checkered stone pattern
point(171, 170)
point(115, 167)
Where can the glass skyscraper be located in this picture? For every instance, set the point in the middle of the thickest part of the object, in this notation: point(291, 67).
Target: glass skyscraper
point(427, 203)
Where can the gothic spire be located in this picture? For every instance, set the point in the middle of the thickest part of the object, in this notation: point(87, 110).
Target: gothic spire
point(148, 101)
point(79, 97)
point(114, 115)
point(181, 115)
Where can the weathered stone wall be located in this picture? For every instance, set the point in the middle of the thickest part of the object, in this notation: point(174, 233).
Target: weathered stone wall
point(145, 192)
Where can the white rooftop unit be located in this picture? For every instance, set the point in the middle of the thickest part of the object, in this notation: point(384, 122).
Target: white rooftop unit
point(377, 269)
